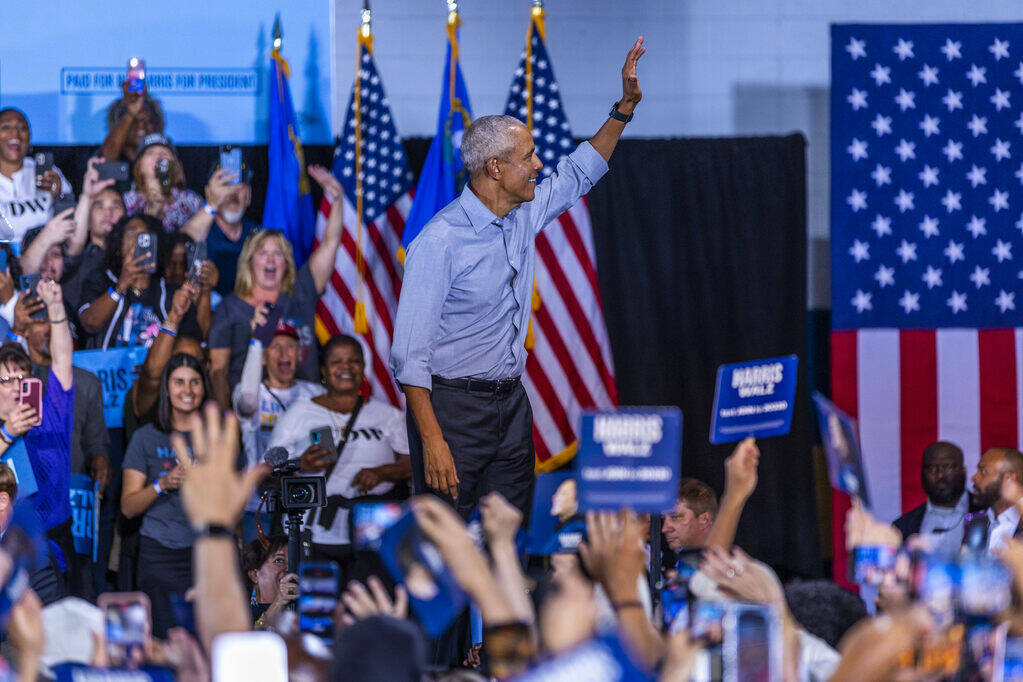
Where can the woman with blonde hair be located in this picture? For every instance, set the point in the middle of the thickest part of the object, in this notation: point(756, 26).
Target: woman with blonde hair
point(267, 288)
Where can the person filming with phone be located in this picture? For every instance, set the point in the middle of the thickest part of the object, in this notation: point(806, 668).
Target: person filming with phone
point(160, 188)
point(367, 452)
point(40, 422)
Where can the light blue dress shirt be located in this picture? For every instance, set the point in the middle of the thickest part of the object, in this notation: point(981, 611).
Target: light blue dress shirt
point(465, 298)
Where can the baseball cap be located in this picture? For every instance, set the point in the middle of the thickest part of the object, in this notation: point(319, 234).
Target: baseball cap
point(285, 329)
point(153, 139)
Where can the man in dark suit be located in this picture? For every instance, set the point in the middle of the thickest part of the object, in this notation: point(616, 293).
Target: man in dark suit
point(940, 518)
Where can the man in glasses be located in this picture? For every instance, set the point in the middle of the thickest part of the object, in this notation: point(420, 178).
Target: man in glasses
point(940, 519)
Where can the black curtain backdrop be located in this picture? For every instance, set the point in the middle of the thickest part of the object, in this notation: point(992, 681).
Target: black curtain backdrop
point(701, 258)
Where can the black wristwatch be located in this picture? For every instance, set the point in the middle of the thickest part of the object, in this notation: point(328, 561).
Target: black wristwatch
point(617, 115)
point(213, 530)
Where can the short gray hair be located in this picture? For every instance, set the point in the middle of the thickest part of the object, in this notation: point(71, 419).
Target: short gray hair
point(488, 137)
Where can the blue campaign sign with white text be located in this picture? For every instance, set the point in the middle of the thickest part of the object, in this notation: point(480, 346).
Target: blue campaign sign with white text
point(630, 457)
point(754, 398)
point(17, 459)
point(116, 369)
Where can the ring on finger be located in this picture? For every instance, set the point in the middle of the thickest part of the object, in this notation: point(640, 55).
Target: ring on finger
point(730, 573)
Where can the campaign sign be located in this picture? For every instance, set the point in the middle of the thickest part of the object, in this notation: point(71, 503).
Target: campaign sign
point(842, 446)
point(754, 398)
point(553, 496)
point(116, 369)
point(16, 458)
point(629, 458)
point(414, 561)
point(83, 514)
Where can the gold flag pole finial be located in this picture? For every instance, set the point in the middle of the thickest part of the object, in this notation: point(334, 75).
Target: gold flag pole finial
point(278, 33)
point(537, 7)
point(452, 11)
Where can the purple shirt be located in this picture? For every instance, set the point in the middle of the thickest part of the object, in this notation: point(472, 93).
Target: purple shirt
point(49, 452)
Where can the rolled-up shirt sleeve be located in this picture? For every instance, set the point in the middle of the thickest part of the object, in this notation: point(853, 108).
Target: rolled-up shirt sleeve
point(574, 177)
point(428, 277)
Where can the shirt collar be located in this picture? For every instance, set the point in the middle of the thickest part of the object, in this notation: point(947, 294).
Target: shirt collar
point(1009, 516)
point(479, 215)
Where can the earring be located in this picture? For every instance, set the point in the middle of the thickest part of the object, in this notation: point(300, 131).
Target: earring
point(253, 600)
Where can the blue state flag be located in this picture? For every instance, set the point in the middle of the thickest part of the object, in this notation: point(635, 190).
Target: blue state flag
point(289, 206)
point(443, 176)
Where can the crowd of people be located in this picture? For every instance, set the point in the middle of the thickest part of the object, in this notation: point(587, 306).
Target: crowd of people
point(234, 381)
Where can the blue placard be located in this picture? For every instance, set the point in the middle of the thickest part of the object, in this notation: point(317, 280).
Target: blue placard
point(414, 561)
point(83, 513)
point(841, 441)
point(116, 369)
point(544, 518)
point(630, 458)
point(16, 458)
point(754, 398)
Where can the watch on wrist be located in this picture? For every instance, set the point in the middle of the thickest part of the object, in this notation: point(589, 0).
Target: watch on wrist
point(213, 530)
point(617, 115)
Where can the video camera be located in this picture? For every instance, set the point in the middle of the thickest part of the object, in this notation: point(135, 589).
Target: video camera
point(287, 492)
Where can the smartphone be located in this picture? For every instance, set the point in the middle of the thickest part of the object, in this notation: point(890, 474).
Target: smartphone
point(136, 75)
point(127, 618)
point(245, 656)
point(317, 598)
point(28, 284)
point(32, 395)
point(145, 243)
point(195, 255)
point(370, 520)
point(3, 259)
point(752, 644)
point(322, 436)
point(113, 170)
point(44, 162)
point(871, 563)
point(985, 586)
point(231, 161)
point(264, 333)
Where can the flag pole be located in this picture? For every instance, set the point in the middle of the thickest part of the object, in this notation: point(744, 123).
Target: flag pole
point(364, 38)
point(536, 22)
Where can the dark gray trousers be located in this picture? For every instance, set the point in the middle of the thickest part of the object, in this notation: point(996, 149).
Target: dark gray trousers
point(491, 440)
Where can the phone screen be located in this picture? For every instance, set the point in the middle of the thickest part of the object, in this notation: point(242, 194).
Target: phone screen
point(371, 519)
point(752, 647)
point(317, 598)
point(127, 626)
point(231, 161)
point(872, 563)
point(322, 437)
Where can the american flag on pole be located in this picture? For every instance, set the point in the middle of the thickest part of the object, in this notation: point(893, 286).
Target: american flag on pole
point(569, 367)
point(926, 253)
point(369, 161)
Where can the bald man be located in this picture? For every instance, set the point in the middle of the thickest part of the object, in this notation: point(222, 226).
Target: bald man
point(990, 492)
point(940, 518)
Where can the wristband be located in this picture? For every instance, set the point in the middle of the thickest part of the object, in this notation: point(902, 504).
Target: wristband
point(214, 530)
point(209, 209)
point(169, 332)
point(617, 115)
point(112, 293)
point(627, 604)
point(5, 435)
point(157, 488)
point(63, 319)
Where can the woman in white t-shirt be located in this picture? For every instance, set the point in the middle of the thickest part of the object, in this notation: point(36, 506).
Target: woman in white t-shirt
point(372, 461)
point(268, 387)
point(25, 202)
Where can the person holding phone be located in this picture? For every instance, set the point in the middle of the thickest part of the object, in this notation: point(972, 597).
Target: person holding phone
point(45, 434)
point(372, 460)
point(267, 389)
point(222, 223)
point(129, 120)
point(267, 274)
point(27, 197)
point(159, 188)
point(152, 475)
point(128, 301)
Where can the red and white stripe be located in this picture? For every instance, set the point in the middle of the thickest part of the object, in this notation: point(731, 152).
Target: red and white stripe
point(381, 240)
point(570, 367)
point(909, 388)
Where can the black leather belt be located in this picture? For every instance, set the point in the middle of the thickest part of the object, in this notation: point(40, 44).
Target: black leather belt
point(498, 386)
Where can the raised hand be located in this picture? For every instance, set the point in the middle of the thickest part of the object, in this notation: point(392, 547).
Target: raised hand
point(50, 293)
point(631, 93)
point(50, 182)
point(92, 185)
point(221, 186)
point(24, 309)
point(61, 226)
point(612, 551)
point(133, 101)
point(741, 469)
point(359, 603)
point(325, 179)
point(22, 418)
point(500, 519)
point(213, 492)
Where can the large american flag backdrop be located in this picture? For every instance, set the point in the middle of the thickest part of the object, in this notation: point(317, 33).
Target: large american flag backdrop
point(569, 367)
point(386, 183)
point(926, 253)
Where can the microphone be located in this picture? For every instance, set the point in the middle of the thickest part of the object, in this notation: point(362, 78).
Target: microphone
point(163, 175)
point(275, 456)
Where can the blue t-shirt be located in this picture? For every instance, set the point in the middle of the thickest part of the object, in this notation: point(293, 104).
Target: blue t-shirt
point(224, 254)
point(49, 452)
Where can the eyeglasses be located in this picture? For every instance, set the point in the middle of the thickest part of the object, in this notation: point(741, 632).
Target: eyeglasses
point(4, 380)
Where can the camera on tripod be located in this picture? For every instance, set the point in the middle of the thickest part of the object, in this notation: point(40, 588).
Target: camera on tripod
point(289, 493)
